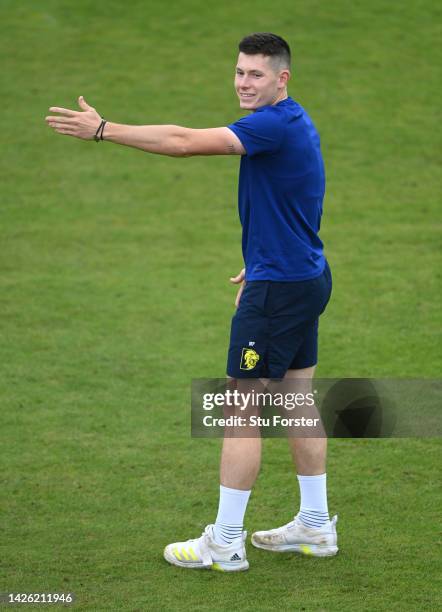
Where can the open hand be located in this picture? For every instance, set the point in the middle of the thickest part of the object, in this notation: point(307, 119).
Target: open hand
point(236, 280)
point(81, 124)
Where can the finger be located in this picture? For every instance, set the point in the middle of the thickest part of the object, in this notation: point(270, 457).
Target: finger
point(82, 102)
point(238, 296)
point(55, 120)
point(239, 277)
point(60, 126)
point(63, 111)
point(65, 131)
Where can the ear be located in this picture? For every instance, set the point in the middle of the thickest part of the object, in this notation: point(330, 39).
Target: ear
point(284, 77)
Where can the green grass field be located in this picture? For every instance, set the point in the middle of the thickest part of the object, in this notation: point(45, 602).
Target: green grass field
point(114, 294)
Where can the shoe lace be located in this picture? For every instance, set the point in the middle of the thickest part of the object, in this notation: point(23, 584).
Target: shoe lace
point(293, 523)
point(206, 538)
point(207, 533)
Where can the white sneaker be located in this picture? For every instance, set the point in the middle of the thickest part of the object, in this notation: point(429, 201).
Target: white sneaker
point(296, 537)
point(205, 553)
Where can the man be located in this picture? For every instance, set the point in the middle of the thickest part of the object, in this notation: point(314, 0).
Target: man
point(284, 287)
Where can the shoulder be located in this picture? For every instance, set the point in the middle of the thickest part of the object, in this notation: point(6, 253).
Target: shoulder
point(263, 130)
point(266, 118)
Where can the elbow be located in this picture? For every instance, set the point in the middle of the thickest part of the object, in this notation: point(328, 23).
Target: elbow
point(177, 149)
point(180, 151)
point(181, 146)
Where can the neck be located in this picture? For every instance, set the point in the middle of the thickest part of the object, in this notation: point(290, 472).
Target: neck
point(282, 96)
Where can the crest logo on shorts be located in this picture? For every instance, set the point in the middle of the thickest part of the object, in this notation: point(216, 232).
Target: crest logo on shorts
point(249, 359)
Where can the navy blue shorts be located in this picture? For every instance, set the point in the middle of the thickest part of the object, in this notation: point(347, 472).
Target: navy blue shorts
point(275, 327)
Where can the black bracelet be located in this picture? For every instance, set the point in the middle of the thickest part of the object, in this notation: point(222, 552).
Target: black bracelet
point(99, 136)
point(102, 130)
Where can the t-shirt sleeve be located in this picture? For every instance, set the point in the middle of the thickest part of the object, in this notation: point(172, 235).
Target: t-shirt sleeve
point(260, 132)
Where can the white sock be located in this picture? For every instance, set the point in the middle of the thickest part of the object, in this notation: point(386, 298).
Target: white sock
point(230, 518)
point(314, 508)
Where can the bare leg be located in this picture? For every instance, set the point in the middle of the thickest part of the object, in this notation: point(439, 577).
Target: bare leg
point(240, 462)
point(309, 454)
point(241, 456)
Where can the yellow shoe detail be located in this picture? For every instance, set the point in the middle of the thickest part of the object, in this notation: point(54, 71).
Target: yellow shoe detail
point(185, 555)
point(177, 554)
point(192, 554)
point(217, 567)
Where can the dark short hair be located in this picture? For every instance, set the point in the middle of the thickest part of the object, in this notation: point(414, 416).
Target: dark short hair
point(267, 44)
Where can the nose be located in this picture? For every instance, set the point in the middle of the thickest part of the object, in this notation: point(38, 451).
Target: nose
point(243, 82)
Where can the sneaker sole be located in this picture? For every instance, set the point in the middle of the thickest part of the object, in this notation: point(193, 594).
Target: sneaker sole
point(217, 566)
point(312, 550)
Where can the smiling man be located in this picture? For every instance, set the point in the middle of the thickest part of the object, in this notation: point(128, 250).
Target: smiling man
point(284, 287)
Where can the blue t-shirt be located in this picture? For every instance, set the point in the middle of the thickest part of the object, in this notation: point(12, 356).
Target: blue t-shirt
point(281, 189)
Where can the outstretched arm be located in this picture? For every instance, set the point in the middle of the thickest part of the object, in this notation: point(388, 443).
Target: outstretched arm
point(172, 140)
